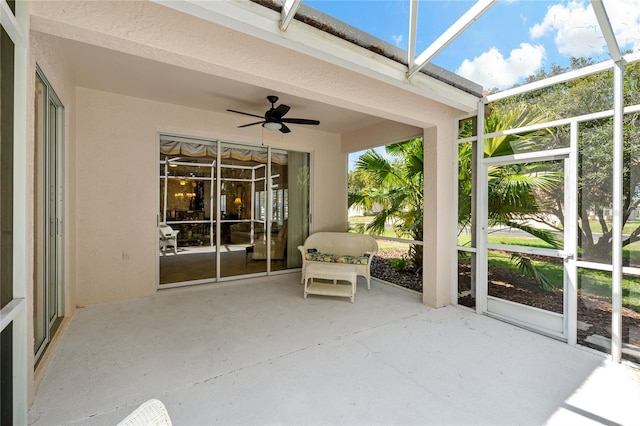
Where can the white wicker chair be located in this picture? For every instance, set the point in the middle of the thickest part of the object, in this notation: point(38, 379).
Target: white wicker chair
point(168, 237)
point(150, 413)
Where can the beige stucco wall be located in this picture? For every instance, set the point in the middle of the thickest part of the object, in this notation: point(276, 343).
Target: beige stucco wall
point(112, 176)
point(116, 185)
point(46, 53)
point(378, 134)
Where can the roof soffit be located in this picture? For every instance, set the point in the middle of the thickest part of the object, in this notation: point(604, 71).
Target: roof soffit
point(261, 22)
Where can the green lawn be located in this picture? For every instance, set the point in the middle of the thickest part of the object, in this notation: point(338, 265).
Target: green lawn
point(631, 252)
point(595, 282)
point(363, 220)
point(628, 228)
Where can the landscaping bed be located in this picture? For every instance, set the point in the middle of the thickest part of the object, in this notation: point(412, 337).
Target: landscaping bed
point(594, 312)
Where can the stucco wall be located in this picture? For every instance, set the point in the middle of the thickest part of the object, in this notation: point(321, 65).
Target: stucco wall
point(116, 135)
point(378, 134)
point(116, 181)
point(47, 54)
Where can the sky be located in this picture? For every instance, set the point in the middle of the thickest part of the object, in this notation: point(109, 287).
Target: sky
point(512, 40)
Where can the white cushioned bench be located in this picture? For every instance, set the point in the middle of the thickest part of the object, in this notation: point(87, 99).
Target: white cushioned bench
point(339, 248)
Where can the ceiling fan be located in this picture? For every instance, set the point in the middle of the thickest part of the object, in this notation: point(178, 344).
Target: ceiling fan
point(273, 117)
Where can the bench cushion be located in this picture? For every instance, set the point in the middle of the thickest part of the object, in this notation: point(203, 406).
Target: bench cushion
point(354, 260)
point(320, 257)
point(336, 258)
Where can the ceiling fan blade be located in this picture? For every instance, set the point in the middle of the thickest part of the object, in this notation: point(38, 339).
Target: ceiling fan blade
point(282, 109)
point(251, 124)
point(300, 121)
point(245, 113)
point(285, 129)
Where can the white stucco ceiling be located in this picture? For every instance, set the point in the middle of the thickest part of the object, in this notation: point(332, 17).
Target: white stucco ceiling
point(111, 71)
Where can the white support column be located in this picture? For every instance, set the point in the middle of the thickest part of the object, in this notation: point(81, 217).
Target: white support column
point(289, 8)
point(218, 207)
point(472, 15)
point(439, 213)
point(269, 204)
point(571, 238)
point(21, 252)
point(616, 276)
point(607, 30)
point(413, 23)
point(454, 225)
point(481, 190)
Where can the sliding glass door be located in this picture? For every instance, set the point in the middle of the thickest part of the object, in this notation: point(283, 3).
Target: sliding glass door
point(187, 212)
point(243, 175)
point(225, 210)
point(47, 286)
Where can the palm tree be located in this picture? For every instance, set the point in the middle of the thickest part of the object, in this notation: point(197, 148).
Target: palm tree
point(396, 187)
point(517, 193)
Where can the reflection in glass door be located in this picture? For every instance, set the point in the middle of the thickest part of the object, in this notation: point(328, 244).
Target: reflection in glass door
point(187, 213)
point(526, 277)
point(243, 175)
point(225, 210)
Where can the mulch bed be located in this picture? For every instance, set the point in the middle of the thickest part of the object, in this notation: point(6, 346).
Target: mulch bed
point(594, 312)
point(382, 269)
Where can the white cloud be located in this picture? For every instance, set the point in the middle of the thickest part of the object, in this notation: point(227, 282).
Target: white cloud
point(625, 18)
point(397, 39)
point(491, 69)
point(575, 27)
point(576, 30)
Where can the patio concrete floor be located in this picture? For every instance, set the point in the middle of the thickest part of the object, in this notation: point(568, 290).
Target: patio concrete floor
point(256, 352)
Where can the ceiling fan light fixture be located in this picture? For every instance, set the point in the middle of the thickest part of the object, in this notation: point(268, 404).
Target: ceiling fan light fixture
point(272, 125)
point(273, 117)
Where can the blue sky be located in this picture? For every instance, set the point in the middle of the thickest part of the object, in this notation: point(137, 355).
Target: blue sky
point(514, 39)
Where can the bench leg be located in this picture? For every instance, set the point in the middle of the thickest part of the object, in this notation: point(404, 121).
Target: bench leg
point(306, 280)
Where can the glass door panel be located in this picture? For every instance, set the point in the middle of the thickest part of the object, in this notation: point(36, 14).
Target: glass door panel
point(39, 289)
point(47, 305)
point(243, 225)
point(289, 208)
point(187, 213)
point(228, 210)
point(279, 213)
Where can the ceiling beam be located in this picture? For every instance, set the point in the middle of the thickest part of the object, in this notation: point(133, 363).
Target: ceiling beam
point(289, 9)
point(607, 31)
point(475, 12)
point(413, 25)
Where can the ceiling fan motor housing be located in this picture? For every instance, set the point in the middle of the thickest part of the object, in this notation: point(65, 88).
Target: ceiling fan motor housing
point(273, 117)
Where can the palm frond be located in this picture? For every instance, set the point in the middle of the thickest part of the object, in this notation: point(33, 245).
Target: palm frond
point(526, 266)
point(545, 235)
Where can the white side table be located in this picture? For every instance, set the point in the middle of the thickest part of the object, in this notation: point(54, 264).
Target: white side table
point(334, 272)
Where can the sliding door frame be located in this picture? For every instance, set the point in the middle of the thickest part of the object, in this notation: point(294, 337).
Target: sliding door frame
point(217, 182)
